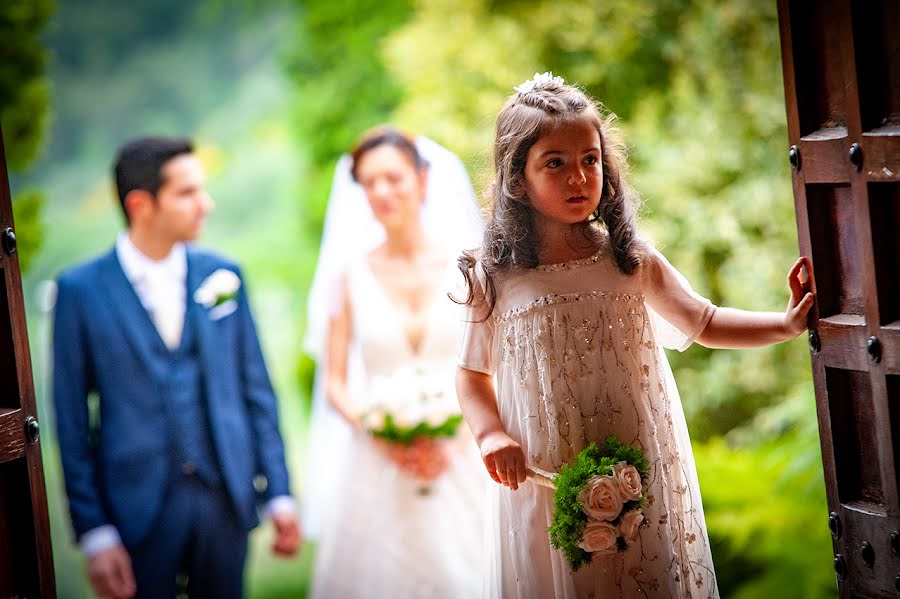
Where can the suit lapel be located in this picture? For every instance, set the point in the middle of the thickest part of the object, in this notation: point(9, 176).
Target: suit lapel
point(136, 322)
point(197, 316)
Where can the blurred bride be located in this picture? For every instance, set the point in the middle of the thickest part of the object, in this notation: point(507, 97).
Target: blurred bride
point(392, 520)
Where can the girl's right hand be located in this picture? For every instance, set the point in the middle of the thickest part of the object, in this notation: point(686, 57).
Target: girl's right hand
point(504, 459)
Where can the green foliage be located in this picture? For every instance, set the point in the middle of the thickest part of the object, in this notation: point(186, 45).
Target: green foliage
point(569, 519)
point(24, 109)
point(769, 533)
point(29, 229)
point(405, 435)
point(343, 88)
point(24, 90)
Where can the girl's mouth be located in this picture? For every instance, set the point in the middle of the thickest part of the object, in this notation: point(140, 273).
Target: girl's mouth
point(576, 200)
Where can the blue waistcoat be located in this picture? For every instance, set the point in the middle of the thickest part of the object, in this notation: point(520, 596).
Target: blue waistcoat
point(188, 410)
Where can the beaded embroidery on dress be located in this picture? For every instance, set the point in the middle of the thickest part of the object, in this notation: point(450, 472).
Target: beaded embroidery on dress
point(576, 350)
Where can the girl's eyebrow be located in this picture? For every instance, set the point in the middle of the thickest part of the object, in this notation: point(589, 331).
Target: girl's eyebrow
point(587, 151)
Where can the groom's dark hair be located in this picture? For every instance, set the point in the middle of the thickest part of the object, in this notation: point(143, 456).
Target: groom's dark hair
point(139, 163)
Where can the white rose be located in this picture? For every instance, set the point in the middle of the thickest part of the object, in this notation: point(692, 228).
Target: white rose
point(601, 499)
point(406, 417)
point(436, 417)
point(629, 481)
point(599, 538)
point(630, 523)
point(222, 284)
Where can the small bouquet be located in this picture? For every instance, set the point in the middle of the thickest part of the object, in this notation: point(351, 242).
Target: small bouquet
point(598, 501)
point(410, 404)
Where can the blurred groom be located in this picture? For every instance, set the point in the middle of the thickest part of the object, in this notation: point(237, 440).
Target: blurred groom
point(166, 466)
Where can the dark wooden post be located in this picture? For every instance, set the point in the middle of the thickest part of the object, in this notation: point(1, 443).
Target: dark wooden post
point(26, 558)
point(841, 62)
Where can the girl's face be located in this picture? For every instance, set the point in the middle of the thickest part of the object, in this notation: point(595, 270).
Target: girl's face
point(564, 173)
point(393, 185)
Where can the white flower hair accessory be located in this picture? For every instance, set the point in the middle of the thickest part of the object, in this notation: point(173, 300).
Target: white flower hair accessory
point(218, 288)
point(540, 81)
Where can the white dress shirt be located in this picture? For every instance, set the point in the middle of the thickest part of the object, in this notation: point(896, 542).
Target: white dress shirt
point(162, 289)
point(159, 284)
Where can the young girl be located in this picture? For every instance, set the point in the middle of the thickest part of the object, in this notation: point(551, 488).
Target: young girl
point(568, 313)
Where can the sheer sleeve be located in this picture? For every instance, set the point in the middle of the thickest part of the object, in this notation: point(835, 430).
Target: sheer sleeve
point(678, 314)
point(478, 333)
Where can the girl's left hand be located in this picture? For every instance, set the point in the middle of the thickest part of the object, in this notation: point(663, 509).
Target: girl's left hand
point(802, 299)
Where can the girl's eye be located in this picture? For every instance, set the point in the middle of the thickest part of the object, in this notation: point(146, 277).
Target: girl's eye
point(590, 160)
point(554, 163)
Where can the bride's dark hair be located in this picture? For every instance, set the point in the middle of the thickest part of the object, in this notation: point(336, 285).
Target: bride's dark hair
point(509, 238)
point(387, 135)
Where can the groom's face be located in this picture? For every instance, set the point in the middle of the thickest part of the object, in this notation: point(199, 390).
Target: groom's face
point(182, 202)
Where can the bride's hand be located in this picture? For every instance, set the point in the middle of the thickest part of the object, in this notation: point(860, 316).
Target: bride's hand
point(504, 459)
point(428, 458)
point(424, 458)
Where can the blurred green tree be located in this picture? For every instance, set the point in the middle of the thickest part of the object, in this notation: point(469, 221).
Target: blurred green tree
point(24, 108)
point(342, 89)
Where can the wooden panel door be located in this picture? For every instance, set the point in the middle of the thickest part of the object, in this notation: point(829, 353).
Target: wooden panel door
point(841, 62)
point(26, 559)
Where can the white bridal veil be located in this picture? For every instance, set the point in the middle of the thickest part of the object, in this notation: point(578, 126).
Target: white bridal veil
point(450, 214)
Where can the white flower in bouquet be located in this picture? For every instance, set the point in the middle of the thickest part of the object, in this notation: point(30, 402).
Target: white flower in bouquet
point(374, 418)
point(601, 499)
point(599, 538)
point(629, 480)
point(631, 522)
point(412, 402)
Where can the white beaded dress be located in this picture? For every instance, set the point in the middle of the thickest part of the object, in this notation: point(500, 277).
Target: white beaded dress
point(384, 538)
point(576, 350)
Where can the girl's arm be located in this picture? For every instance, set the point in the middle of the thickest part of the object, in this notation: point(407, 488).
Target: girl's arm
point(339, 330)
point(733, 328)
point(502, 456)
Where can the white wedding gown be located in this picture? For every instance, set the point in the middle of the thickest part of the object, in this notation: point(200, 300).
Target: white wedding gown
point(384, 538)
point(576, 349)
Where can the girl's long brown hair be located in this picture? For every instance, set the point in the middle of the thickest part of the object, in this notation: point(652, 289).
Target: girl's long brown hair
point(509, 238)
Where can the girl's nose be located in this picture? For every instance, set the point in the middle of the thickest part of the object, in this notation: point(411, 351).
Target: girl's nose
point(577, 177)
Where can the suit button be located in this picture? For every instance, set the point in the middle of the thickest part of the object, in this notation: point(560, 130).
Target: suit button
point(189, 468)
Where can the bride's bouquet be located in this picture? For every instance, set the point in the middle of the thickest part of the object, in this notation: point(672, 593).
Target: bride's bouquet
point(412, 403)
point(598, 501)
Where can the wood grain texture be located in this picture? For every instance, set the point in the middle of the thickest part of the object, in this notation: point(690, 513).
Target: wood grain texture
point(26, 556)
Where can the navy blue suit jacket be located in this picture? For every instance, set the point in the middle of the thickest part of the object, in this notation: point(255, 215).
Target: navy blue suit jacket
point(104, 342)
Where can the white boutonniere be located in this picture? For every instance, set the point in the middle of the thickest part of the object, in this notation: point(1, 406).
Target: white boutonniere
point(217, 289)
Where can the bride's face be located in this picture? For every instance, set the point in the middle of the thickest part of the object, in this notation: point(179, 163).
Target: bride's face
point(393, 185)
